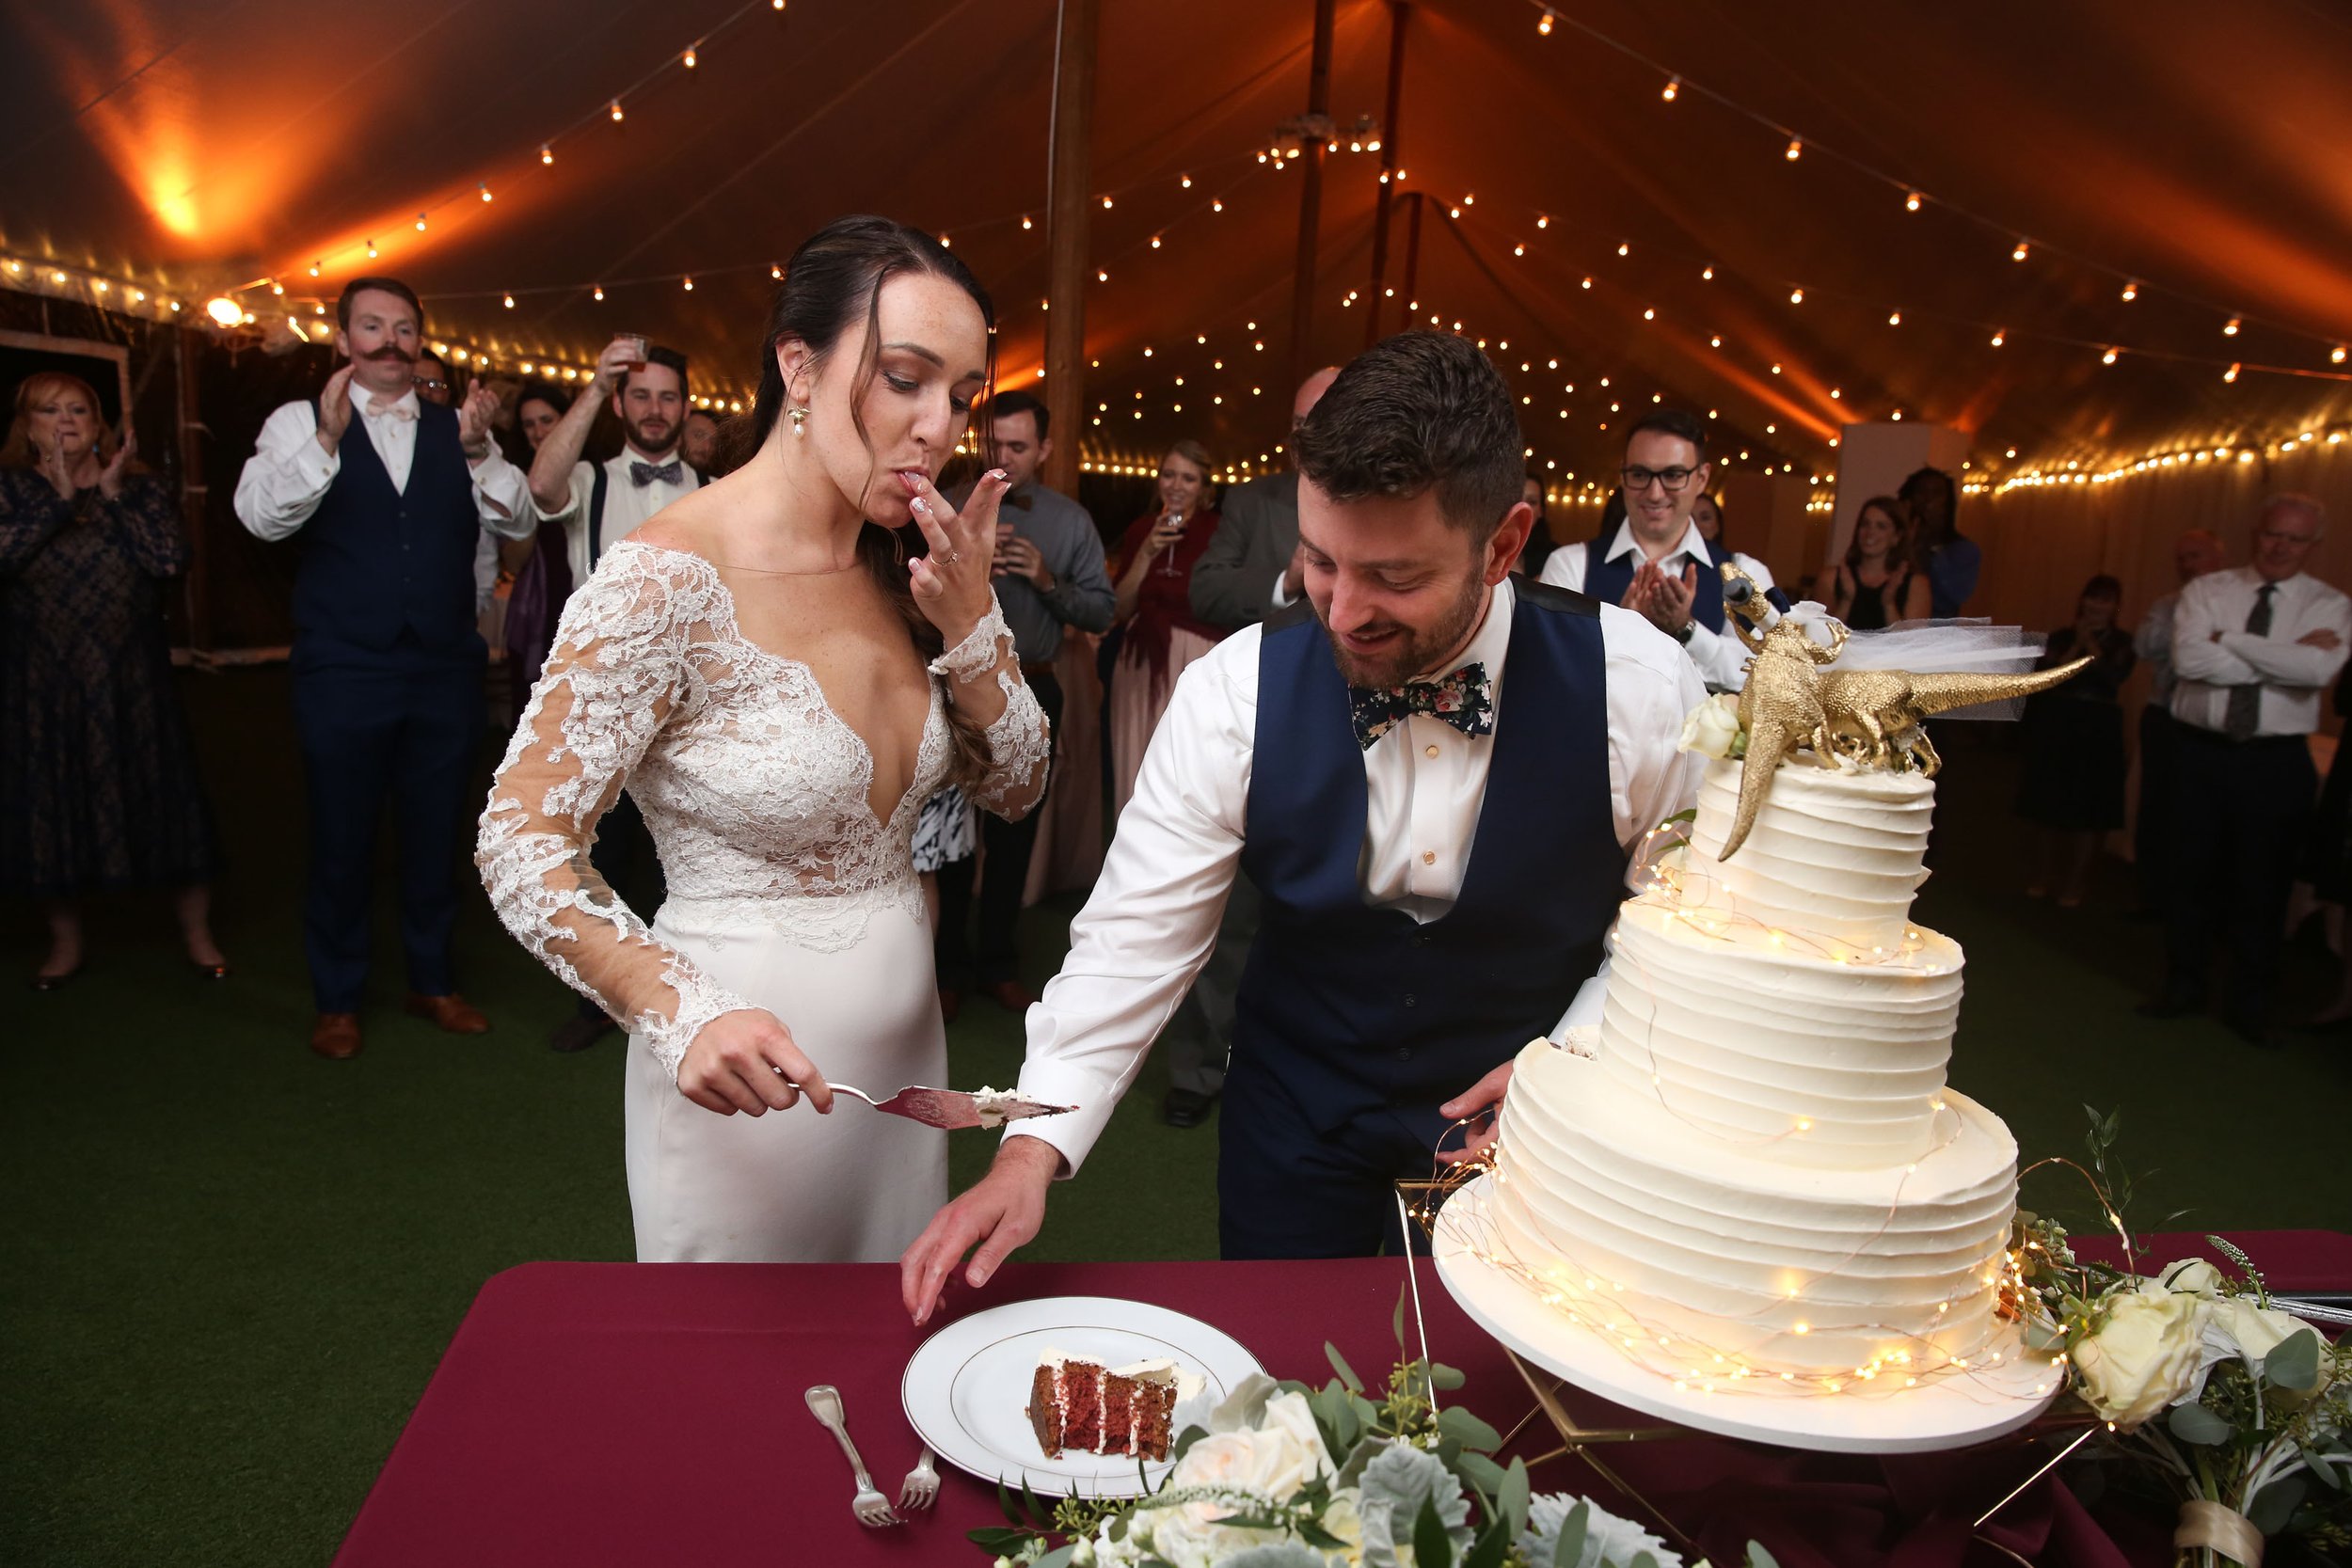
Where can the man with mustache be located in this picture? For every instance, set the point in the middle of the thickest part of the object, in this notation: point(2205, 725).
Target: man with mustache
point(1433, 772)
point(389, 494)
point(598, 504)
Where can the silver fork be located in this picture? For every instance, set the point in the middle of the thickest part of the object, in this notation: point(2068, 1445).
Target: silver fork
point(921, 1488)
point(871, 1508)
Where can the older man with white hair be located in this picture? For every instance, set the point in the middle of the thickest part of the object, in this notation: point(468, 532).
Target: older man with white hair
point(2253, 648)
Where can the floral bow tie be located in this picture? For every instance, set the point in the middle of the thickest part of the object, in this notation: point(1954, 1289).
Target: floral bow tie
point(642, 474)
point(1464, 699)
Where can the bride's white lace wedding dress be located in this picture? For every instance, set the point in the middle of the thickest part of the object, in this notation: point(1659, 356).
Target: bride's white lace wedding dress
point(785, 891)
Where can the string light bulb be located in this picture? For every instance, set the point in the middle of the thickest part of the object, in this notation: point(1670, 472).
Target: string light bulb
point(371, 250)
point(314, 269)
point(690, 60)
point(1543, 25)
point(2020, 253)
point(1185, 182)
point(1796, 150)
point(484, 187)
point(616, 111)
point(2229, 375)
point(510, 302)
point(2109, 358)
point(599, 293)
point(1026, 223)
point(420, 223)
point(2228, 331)
point(1624, 249)
point(1673, 86)
point(1912, 201)
point(689, 283)
point(547, 152)
point(1894, 318)
point(1796, 296)
point(1543, 220)
point(775, 271)
point(1707, 275)
point(2131, 289)
point(2000, 336)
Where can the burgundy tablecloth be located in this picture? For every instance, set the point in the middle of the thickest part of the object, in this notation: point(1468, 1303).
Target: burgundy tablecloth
point(623, 1414)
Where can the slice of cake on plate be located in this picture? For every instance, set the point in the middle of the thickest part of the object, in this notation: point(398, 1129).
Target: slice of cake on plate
point(1077, 1404)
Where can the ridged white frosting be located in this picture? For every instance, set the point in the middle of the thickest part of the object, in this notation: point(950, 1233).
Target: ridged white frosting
point(1728, 1251)
point(1835, 853)
point(1753, 1156)
point(1768, 1047)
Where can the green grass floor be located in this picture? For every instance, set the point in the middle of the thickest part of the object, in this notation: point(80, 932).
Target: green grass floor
point(231, 1267)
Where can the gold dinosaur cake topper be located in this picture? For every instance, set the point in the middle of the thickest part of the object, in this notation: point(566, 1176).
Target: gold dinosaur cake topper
point(1794, 701)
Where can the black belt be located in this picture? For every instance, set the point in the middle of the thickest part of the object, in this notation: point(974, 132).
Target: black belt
point(2215, 738)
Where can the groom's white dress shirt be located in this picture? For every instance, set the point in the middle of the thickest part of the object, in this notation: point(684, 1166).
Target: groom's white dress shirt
point(1154, 915)
point(1718, 655)
point(2290, 672)
point(290, 473)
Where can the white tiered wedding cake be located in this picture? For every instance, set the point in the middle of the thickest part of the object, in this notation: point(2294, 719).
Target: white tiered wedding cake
point(1752, 1175)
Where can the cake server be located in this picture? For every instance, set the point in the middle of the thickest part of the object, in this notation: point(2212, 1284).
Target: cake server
point(951, 1109)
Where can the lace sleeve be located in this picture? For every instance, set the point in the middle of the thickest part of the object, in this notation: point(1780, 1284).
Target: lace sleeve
point(620, 671)
point(1020, 742)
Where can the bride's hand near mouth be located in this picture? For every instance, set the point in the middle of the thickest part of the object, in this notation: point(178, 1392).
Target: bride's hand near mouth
point(951, 583)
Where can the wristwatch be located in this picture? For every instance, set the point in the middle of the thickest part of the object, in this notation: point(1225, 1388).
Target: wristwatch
point(1684, 636)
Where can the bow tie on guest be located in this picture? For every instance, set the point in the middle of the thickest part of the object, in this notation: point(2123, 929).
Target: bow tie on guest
point(395, 408)
point(642, 474)
point(1464, 699)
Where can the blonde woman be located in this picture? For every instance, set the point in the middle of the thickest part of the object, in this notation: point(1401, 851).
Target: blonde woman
point(98, 787)
point(1152, 572)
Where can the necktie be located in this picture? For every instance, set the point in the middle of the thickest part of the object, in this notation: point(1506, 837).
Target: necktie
point(642, 474)
point(1464, 699)
point(2246, 701)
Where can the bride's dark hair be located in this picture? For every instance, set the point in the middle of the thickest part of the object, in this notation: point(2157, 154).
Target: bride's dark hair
point(832, 286)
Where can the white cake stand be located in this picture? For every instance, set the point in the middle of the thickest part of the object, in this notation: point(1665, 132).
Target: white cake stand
point(1940, 1412)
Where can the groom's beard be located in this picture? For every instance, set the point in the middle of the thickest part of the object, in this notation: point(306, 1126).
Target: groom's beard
point(1417, 649)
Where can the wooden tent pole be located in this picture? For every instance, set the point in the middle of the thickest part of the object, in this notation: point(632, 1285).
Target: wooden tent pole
point(1066, 240)
point(1310, 193)
point(1412, 255)
point(194, 494)
point(1390, 145)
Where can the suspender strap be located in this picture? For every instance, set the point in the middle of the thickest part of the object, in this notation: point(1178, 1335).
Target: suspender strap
point(595, 515)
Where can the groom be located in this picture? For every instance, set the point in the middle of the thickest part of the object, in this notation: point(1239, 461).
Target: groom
point(1434, 780)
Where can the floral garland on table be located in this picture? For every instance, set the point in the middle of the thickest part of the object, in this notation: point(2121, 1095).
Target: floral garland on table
point(2242, 1410)
point(1285, 1475)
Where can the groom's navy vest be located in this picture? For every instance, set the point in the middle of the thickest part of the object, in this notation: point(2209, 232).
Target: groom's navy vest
point(1607, 580)
point(1352, 1008)
point(376, 561)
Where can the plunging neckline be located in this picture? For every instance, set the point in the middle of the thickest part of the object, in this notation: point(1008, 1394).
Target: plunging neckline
point(733, 633)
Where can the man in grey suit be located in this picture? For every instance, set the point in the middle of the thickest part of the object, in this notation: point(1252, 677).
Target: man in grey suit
point(1250, 569)
point(1251, 566)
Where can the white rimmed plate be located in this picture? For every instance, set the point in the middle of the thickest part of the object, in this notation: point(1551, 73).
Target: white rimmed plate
point(966, 1391)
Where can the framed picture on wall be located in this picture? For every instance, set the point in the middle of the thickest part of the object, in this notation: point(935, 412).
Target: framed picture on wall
point(105, 365)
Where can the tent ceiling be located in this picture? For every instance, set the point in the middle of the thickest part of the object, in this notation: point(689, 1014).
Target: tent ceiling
point(2197, 149)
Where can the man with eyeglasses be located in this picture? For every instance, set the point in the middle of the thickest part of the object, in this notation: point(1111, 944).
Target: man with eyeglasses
point(2252, 649)
point(1656, 562)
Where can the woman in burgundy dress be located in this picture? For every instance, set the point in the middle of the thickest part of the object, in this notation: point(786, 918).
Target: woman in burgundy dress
point(98, 787)
point(1152, 573)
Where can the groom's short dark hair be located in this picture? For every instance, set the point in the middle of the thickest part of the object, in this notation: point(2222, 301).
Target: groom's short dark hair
point(1422, 409)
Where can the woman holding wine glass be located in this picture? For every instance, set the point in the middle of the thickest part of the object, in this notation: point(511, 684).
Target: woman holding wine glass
point(1152, 573)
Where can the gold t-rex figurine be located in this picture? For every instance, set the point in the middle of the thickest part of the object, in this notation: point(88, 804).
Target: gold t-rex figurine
point(1793, 701)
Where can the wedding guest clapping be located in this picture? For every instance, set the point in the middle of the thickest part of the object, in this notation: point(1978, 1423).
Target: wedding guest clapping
point(2072, 786)
point(1656, 562)
point(1879, 583)
point(98, 787)
point(391, 494)
point(1153, 570)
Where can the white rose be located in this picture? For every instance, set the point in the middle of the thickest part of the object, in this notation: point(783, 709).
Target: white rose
point(1711, 727)
point(1184, 1542)
point(2144, 1356)
point(2251, 1330)
point(2192, 1275)
point(1287, 1448)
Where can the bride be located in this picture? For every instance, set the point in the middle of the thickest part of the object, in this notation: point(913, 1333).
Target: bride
point(780, 694)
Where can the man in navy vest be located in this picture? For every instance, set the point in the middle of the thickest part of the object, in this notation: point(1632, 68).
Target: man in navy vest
point(389, 494)
point(1433, 775)
point(1656, 562)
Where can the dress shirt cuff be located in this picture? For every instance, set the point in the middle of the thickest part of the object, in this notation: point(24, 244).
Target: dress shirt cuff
point(1706, 649)
point(1059, 1084)
point(315, 467)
